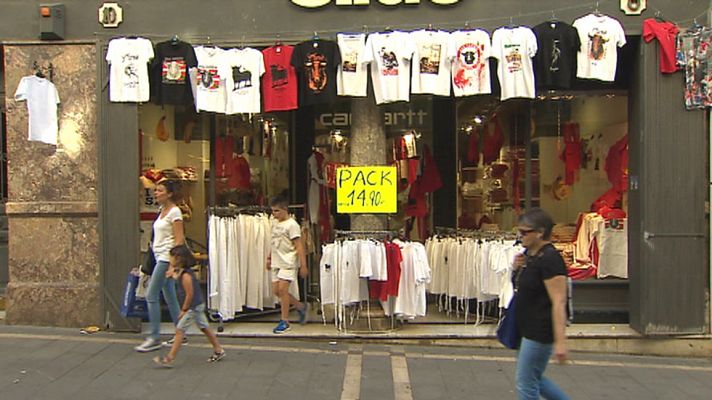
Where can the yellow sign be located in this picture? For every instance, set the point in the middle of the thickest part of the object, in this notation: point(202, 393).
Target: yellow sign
point(366, 190)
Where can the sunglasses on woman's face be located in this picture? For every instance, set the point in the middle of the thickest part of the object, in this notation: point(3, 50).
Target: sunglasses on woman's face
point(523, 232)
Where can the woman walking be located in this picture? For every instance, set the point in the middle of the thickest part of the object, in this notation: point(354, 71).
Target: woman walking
point(540, 307)
point(167, 233)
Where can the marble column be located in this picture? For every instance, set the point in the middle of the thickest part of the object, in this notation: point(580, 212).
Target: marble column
point(52, 202)
point(368, 147)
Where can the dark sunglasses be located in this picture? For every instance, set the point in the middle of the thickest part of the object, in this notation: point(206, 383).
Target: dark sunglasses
point(523, 232)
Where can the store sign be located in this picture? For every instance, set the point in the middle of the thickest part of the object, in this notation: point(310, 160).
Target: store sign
point(321, 3)
point(366, 190)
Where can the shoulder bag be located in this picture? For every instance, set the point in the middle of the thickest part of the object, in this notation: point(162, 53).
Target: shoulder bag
point(507, 332)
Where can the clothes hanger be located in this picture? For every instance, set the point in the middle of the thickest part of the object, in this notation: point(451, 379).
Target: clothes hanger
point(315, 39)
point(659, 16)
point(175, 39)
point(596, 12)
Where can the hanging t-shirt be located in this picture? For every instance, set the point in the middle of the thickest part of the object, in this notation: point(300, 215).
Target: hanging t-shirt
point(169, 73)
point(352, 75)
point(212, 75)
point(128, 69)
point(389, 54)
point(692, 56)
point(243, 84)
point(666, 33)
point(316, 62)
point(469, 52)
point(555, 61)
point(42, 99)
point(431, 72)
point(279, 82)
point(598, 56)
point(514, 48)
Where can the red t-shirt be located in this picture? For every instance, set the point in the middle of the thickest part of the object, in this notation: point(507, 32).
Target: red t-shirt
point(279, 81)
point(666, 33)
point(382, 290)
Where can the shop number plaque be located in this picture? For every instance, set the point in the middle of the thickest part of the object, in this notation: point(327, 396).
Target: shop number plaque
point(366, 190)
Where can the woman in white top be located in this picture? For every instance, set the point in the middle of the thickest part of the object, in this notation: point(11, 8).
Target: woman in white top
point(167, 233)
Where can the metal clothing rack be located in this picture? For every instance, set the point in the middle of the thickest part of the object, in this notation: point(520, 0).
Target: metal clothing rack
point(231, 211)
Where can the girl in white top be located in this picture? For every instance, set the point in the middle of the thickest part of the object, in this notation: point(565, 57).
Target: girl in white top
point(167, 233)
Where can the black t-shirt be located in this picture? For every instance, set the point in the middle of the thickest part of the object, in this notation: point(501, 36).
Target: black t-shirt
point(170, 83)
point(533, 308)
point(555, 60)
point(316, 62)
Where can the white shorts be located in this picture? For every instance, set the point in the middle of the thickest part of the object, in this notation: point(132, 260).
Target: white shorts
point(284, 274)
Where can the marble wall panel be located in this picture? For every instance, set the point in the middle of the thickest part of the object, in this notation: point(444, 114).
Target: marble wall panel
point(67, 306)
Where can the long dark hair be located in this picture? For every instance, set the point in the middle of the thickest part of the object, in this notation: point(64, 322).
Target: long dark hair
point(172, 187)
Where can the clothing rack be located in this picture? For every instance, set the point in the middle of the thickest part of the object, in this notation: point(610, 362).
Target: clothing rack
point(339, 234)
point(477, 234)
point(231, 211)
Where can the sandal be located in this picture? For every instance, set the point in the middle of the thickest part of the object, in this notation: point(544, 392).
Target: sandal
point(164, 361)
point(217, 356)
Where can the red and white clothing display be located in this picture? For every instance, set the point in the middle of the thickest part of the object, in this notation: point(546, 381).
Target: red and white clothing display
point(352, 75)
point(469, 53)
point(600, 36)
point(514, 49)
point(279, 82)
point(212, 74)
point(431, 69)
point(602, 244)
point(389, 54)
point(243, 83)
point(666, 33)
point(42, 99)
point(128, 69)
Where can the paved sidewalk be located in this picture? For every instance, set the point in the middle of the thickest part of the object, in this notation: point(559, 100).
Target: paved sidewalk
point(51, 363)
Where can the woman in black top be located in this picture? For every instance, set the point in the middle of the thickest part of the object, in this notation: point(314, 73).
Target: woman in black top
point(540, 307)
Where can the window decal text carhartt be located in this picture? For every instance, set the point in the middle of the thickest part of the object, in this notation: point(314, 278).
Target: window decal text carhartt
point(321, 3)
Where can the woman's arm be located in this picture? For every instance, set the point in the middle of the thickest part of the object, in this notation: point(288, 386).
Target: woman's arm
point(556, 288)
point(178, 234)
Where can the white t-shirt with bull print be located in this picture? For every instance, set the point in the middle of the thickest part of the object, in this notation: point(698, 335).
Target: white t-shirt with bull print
point(598, 56)
point(212, 76)
point(243, 81)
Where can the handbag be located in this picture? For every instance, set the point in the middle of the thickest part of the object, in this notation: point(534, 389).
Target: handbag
point(507, 332)
point(149, 263)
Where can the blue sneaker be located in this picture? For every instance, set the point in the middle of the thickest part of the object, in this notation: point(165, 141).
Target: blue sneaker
point(282, 326)
point(302, 314)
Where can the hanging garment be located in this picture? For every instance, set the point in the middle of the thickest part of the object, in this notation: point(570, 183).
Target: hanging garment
point(572, 153)
point(492, 141)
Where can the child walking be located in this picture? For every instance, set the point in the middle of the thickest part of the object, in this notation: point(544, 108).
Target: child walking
point(193, 306)
point(287, 256)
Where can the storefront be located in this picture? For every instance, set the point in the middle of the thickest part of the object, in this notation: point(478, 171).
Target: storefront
point(560, 149)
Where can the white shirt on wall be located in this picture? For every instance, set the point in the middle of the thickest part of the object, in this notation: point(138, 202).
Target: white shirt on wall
point(514, 48)
point(598, 56)
point(352, 74)
point(212, 74)
point(243, 81)
point(469, 53)
point(431, 69)
point(42, 99)
point(389, 54)
point(128, 75)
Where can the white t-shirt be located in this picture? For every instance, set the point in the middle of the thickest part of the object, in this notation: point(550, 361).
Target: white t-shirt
point(128, 75)
point(352, 74)
point(212, 74)
point(284, 254)
point(389, 54)
point(163, 238)
point(514, 48)
point(598, 56)
point(469, 52)
point(243, 81)
point(42, 99)
point(327, 269)
point(431, 69)
point(612, 237)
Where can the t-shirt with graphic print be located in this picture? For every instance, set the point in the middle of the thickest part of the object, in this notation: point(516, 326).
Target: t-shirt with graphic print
point(555, 60)
point(170, 83)
point(389, 54)
point(316, 62)
point(431, 69)
point(243, 83)
point(212, 75)
point(128, 74)
point(469, 52)
point(514, 48)
point(598, 56)
point(279, 82)
point(352, 75)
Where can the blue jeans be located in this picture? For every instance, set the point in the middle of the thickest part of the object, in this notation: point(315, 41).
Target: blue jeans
point(531, 364)
point(159, 283)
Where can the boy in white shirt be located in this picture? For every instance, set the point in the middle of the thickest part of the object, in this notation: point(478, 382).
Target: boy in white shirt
point(287, 256)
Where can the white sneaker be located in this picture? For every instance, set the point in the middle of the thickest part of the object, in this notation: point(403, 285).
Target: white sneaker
point(148, 345)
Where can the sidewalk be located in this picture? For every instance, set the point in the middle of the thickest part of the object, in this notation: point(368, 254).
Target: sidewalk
point(52, 363)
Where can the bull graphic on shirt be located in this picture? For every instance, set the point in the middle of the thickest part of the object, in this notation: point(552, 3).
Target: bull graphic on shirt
point(241, 77)
point(390, 62)
point(316, 72)
point(596, 44)
point(470, 66)
point(209, 78)
point(279, 75)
